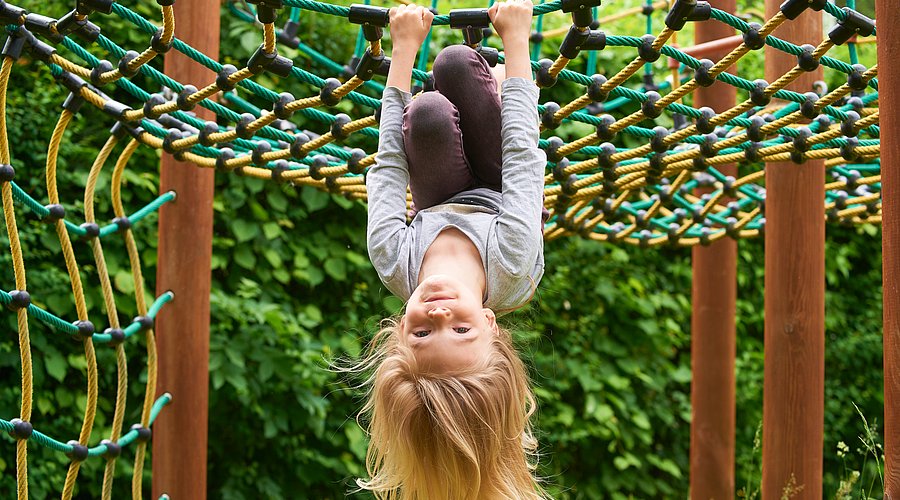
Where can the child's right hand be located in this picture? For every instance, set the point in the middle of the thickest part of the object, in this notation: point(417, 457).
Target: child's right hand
point(409, 26)
point(512, 20)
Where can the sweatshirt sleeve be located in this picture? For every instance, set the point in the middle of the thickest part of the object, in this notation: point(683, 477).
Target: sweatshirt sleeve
point(386, 183)
point(519, 224)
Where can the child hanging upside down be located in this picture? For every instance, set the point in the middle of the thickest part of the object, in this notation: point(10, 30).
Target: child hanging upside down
point(450, 404)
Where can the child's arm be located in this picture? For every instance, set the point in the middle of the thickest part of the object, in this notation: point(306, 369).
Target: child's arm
point(519, 225)
point(387, 180)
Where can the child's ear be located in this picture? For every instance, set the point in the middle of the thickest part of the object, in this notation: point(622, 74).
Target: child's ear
point(491, 319)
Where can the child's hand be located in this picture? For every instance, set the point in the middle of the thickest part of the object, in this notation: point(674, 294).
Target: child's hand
point(512, 20)
point(409, 26)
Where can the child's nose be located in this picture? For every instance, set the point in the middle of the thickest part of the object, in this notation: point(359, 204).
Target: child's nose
point(439, 313)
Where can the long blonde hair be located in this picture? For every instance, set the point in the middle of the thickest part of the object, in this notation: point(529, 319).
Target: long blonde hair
point(447, 436)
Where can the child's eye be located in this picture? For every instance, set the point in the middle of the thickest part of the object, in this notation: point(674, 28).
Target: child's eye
point(461, 329)
point(421, 333)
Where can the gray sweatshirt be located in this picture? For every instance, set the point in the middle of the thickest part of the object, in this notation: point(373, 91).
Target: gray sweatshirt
point(510, 243)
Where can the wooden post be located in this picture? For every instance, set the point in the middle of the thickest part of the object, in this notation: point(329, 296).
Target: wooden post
point(712, 323)
point(185, 249)
point(794, 374)
point(889, 78)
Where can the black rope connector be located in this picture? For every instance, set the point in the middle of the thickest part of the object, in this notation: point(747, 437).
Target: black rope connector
point(7, 173)
point(848, 125)
point(18, 299)
point(157, 44)
point(471, 22)
point(143, 433)
point(805, 60)
point(102, 67)
point(752, 39)
point(698, 165)
point(12, 14)
point(754, 131)
point(704, 121)
point(69, 23)
point(595, 89)
point(701, 74)
point(793, 8)
point(44, 26)
point(123, 222)
point(279, 109)
point(808, 107)
point(125, 62)
point(225, 154)
point(604, 156)
point(91, 229)
point(116, 336)
point(319, 162)
point(183, 101)
point(115, 109)
point(542, 76)
point(243, 126)
point(55, 212)
point(279, 168)
point(581, 10)
point(578, 39)
point(288, 34)
point(687, 10)
point(708, 146)
point(85, 329)
point(658, 141)
point(267, 10)
point(548, 118)
point(73, 103)
point(853, 24)
point(855, 79)
point(553, 145)
point(603, 128)
point(79, 452)
point(209, 128)
point(655, 168)
point(758, 95)
point(646, 50)
point(798, 157)
point(353, 164)
point(300, 139)
point(154, 101)
point(272, 62)
point(848, 150)
point(113, 450)
point(536, 37)
point(222, 79)
point(145, 322)
point(490, 55)
point(649, 106)
point(801, 140)
point(370, 65)
point(262, 147)
point(15, 44)
point(559, 171)
point(40, 50)
point(327, 94)
point(165, 3)
point(337, 127)
point(372, 19)
point(168, 141)
point(21, 429)
point(86, 7)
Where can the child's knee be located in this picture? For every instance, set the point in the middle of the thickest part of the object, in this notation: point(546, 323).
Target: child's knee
point(431, 114)
point(457, 59)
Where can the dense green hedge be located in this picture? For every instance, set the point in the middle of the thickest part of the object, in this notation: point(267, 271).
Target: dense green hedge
point(607, 340)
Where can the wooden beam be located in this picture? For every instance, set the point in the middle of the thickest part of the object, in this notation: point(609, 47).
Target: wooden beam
point(713, 298)
point(794, 373)
point(185, 249)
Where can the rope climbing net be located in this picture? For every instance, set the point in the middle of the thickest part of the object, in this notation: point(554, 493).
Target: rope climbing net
point(647, 194)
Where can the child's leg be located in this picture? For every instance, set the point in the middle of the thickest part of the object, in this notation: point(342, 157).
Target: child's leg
point(465, 78)
point(438, 168)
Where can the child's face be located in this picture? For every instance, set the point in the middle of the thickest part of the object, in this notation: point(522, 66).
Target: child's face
point(447, 325)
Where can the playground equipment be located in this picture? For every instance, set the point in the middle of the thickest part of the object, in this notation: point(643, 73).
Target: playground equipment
point(679, 187)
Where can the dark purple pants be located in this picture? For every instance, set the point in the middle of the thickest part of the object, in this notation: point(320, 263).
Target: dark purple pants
point(452, 136)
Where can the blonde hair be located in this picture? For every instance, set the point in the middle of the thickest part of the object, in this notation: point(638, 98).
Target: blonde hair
point(447, 435)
